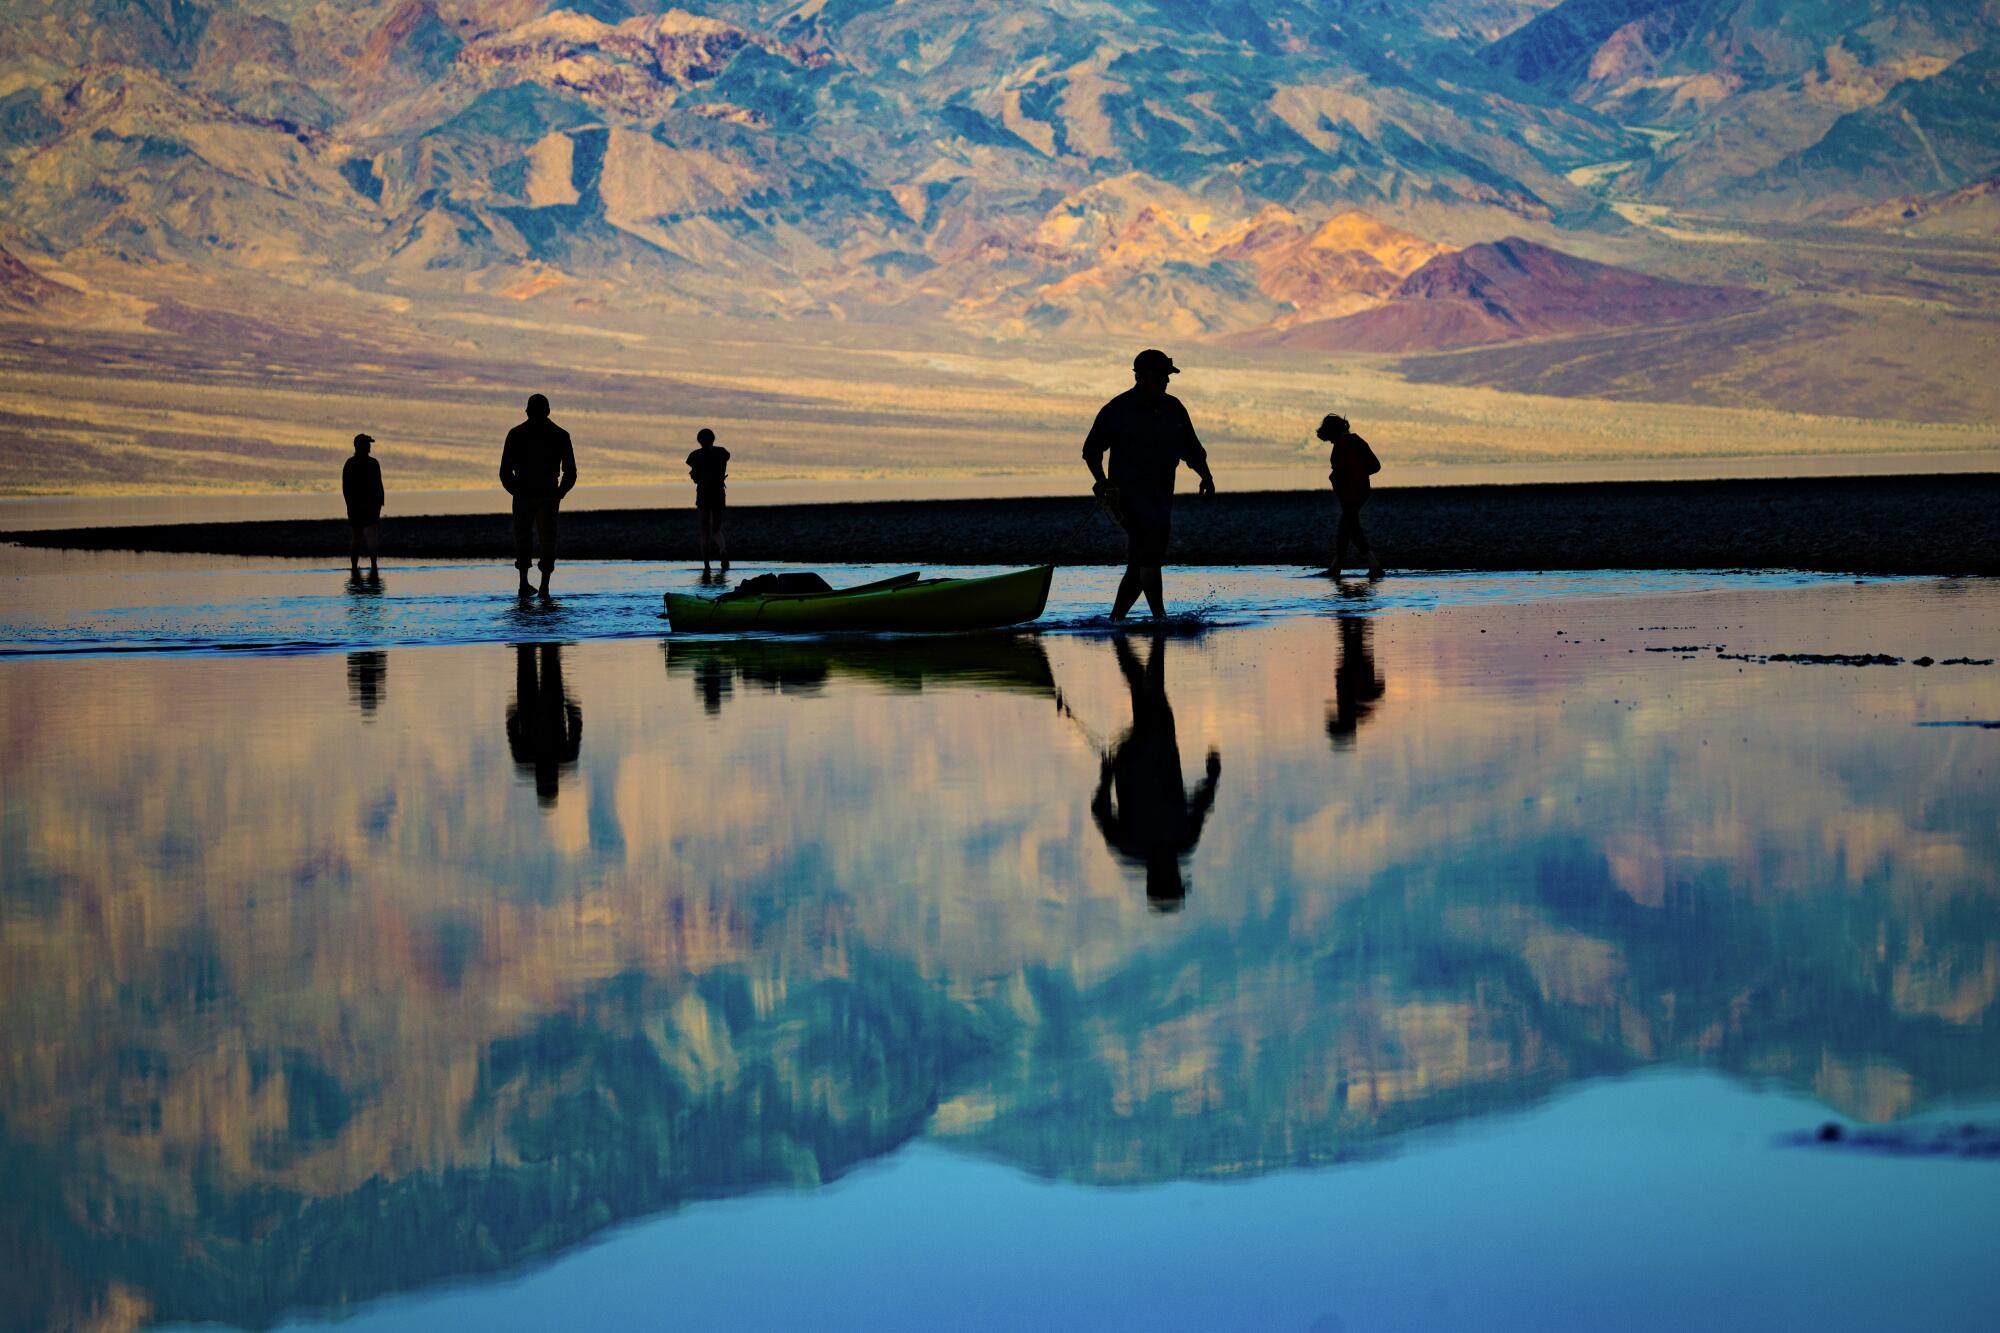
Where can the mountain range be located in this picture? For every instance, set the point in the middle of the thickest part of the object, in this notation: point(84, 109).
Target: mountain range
point(1241, 167)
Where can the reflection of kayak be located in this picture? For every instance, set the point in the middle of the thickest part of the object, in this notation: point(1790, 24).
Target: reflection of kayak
point(1011, 663)
point(907, 602)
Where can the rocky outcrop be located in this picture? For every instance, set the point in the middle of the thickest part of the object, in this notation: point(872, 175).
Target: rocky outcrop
point(1507, 290)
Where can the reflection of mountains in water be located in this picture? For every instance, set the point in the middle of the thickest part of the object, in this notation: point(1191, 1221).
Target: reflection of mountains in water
point(799, 1051)
point(1009, 662)
point(610, 1110)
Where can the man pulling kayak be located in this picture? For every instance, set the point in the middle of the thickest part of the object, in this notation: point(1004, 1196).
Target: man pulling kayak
point(1148, 435)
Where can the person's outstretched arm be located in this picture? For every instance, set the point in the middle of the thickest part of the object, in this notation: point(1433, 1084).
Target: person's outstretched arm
point(1203, 799)
point(1194, 455)
point(1107, 819)
point(568, 468)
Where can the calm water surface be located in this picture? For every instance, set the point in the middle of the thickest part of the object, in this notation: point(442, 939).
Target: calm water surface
point(1438, 957)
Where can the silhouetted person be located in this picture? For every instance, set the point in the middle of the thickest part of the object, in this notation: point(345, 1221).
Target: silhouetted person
point(544, 728)
point(538, 468)
point(1350, 466)
point(1140, 806)
point(709, 466)
point(1357, 685)
point(361, 488)
point(366, 675)
point(1148, 435)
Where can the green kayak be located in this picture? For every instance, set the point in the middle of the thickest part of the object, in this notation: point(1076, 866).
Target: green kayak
point(906, 602)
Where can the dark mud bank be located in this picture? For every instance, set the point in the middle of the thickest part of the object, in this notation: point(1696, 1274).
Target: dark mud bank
point(1913, 525)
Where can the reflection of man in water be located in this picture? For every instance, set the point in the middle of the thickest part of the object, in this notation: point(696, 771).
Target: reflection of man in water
point(366, 674)
point(1148, 435)
point(1357, 686)
point(544, 729)
point(538, 468)
point(1140, 806)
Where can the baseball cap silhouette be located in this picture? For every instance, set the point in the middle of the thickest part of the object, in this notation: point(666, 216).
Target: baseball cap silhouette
point(1155, 360)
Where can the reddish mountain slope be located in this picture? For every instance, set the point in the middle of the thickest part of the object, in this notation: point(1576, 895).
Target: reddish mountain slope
point(1505, 290)
point(23, 289)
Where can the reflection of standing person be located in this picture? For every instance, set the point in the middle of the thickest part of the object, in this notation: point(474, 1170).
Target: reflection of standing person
point(1141, 808)
point(1357, 685)
point(367, 673)
point(538, 468)
point(1350, 466)
point(544, 728)
point(709, 467)
point(1148, 435)
point(361, 488)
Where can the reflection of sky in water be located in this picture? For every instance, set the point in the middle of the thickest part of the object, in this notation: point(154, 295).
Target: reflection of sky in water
point(432, 961)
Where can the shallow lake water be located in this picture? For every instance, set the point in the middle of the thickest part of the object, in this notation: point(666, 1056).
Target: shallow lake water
point(1464, 951)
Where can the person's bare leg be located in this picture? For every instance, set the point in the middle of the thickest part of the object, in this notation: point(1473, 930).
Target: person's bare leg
point(374, 549)
point(1156, 600)
point(1365, 550)
point(524, 543)
point(546, 530)
point(721, 551)
point(354, 551)
point(1129, 589)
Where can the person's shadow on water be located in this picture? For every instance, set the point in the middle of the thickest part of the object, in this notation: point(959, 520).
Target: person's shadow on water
point(1148, 818)
point(1358, 685)
point(544, 726)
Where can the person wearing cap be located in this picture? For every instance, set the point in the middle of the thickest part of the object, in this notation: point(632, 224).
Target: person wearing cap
point(708, 467)
point(1148, 435)
point(538, 468)
point(361, 488)
point(1349, 466)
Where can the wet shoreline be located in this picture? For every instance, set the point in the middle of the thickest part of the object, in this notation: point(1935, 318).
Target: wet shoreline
point(1905, 525)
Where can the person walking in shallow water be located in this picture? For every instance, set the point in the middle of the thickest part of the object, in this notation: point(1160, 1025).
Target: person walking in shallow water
point(538, 468)
point(709, 467)
point(1350, 466)
point(361, 488)
point(1148, 435)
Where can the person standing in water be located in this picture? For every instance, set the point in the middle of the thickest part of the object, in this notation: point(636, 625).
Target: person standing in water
point(1350, 466)
point(1148, 435)
point(709, 467)
point(361, 488)
point(538, 468)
